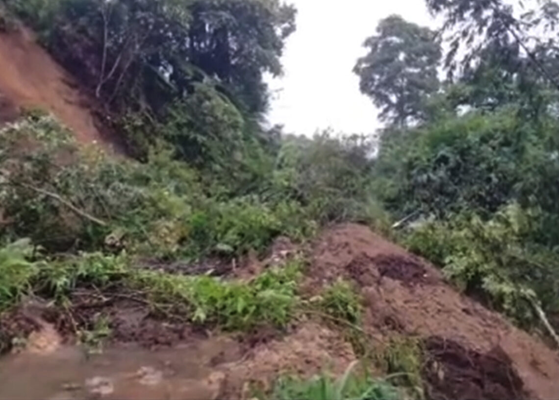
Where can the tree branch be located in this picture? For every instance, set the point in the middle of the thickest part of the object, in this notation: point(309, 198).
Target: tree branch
point(56, 197)
point(543, 318)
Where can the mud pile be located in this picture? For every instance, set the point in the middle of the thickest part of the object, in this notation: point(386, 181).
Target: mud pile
point(472, 353)
point(469, 352)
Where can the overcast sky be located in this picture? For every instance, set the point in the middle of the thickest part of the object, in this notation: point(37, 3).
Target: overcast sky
point(319, 89)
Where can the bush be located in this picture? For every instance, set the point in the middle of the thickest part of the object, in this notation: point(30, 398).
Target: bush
point(66, 198)
point(329, 176)
point(495, 259)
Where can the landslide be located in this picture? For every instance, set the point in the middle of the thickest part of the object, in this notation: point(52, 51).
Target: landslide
point(31, 79)
point(470, 352)
point(467, 351)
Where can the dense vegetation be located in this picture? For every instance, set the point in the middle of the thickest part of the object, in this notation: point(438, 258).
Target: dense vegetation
point(472, 159)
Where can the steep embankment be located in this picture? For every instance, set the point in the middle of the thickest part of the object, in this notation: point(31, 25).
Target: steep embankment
point(29, 77)
point(472, 353)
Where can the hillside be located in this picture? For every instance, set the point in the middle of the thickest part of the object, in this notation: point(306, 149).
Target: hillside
point(221, 259)
point(31, 79)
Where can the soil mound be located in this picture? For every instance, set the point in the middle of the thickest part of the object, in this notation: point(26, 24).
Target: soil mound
point(477, 353)
point(29, 77)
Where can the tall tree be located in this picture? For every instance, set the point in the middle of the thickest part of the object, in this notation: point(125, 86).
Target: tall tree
point(400, 70)
point(144, 53)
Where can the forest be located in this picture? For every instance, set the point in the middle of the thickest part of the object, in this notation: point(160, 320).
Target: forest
point(464, 171)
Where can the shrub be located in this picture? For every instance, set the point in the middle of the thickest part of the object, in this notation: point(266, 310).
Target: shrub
point(494, 259)
point(327, 175)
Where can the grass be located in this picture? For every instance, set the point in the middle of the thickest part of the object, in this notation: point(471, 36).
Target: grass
point(342, 302)
point(269, 298)
point(403, 356)
point(351, 386)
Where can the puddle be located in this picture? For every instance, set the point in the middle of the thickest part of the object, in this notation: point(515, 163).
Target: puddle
point(187, 372)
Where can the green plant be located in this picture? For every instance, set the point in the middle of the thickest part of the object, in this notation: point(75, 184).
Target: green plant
point(351, 386)
point(93, 339)
point(496, 260)
point(60, 277)
point(341, 302)
point(17, 269)
point(403, 357)
point(40, 14)
point(269, 298)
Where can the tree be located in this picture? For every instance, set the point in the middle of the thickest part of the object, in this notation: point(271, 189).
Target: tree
point(238, 41)
point(144, 54)
point(399, 72)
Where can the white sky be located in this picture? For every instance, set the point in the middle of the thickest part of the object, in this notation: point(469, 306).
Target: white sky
point(319, 89)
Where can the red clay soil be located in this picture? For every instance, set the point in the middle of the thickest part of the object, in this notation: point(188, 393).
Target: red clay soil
point(473, 353)
point(29, 77)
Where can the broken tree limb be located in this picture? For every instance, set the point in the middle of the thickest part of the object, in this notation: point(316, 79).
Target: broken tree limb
point(543, 318)
point(56, 197)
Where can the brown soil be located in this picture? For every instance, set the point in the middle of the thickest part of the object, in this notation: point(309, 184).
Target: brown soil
point(308, 349)
point(454, 372)
point(481, 355)
point(470, 353)
point(30, 78)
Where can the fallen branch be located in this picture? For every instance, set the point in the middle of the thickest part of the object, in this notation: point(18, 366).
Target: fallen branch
point(56, 197)
point(543, 318)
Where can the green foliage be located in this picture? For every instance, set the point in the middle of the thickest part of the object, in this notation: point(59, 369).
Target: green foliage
point(59, 278)
point(462, 163)
point(495, 259)
point(269, 298)
point(400, 71)
point(41, 14)
point(329, 176)
point(206, 128)
point(341, 301)
point(160, 208)
point(178, 45)
point(17, 269)
point(403, 357)
point(352, 385)
point(93, 339)
point(190, 72)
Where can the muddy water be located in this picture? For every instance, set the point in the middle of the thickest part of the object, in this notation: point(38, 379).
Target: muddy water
point(188, 372)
